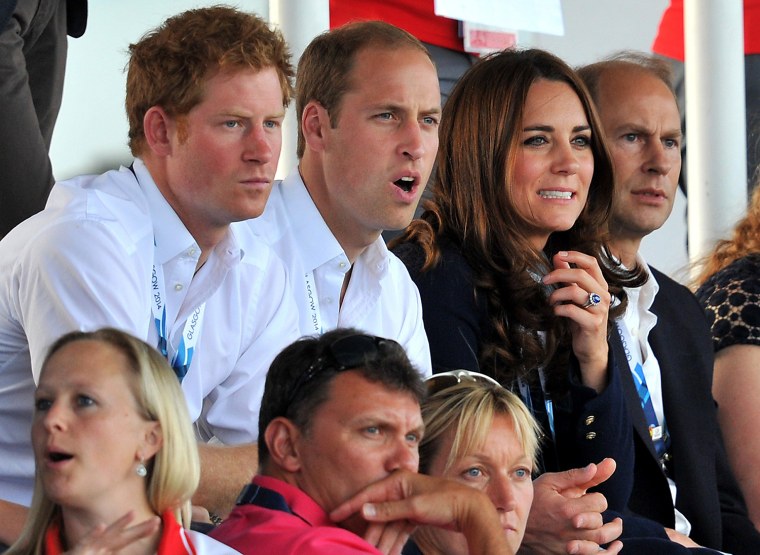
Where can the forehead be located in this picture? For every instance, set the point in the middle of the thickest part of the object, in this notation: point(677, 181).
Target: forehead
point(549, 98)
point(634, 93)
point(86, 362)
point(404, 73)
point(245, 86)
point(352, 397)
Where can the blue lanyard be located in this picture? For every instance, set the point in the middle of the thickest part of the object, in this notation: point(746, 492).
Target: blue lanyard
point(657, 432)
point(181, 360)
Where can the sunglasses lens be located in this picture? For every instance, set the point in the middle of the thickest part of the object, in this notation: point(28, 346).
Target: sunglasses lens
point(352, 351)
point(439, 382)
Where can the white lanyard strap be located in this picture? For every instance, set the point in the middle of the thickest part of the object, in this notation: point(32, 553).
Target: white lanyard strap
point(191, 331)
point(312, 303)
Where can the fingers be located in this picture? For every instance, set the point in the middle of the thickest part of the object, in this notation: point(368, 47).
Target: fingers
point(393, 537)
point(590, 542)
point(577, 275)
point(576, 481)
point(581, 547)
point(604, 470)
point(395, 486)
point(104, 540)
point(568, 479)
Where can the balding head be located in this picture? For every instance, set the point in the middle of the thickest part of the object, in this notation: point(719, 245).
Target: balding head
point(639, 114)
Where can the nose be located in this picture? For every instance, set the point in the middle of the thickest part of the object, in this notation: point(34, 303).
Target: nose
point(403, 456)
point(659, 159)
point(55, 417)
point(502, 493)
point(258, 146)
point(565, 160)
point(412, 144)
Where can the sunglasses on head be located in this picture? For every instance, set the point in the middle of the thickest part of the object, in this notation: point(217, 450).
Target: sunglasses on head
point(444, 380)
point(346, 353)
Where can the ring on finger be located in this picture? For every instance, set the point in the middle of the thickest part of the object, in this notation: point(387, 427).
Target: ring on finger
point(593, 300)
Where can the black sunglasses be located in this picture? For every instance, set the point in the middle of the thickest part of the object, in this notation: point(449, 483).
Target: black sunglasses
point(444, 380)
point(342, 354)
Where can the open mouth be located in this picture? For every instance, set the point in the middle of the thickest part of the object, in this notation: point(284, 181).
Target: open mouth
point(58, 457)
point(405, 183)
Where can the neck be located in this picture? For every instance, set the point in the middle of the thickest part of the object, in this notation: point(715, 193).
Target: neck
point(352, 239)
point(79, 523)
point(625, 249)
point(205, 234)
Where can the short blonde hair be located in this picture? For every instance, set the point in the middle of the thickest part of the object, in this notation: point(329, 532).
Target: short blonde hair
point(173, 473)
point(469, 408)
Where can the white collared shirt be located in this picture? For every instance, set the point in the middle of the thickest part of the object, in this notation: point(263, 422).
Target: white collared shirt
point(381, 298)
point(639, 321)
point(86, 262)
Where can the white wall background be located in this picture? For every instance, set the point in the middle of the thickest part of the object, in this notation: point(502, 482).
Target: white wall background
point(91, 132)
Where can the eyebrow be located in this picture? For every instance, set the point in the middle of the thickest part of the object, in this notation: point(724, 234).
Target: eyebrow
point(391, 107)
point(636, 128)
point(549, 128)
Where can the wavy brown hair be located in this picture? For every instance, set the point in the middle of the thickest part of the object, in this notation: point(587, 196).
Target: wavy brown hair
point(744, 241)
point(472, 207)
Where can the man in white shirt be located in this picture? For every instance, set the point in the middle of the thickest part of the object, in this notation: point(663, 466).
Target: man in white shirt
point(153, 249)
point(682, 478)
point(368, 103)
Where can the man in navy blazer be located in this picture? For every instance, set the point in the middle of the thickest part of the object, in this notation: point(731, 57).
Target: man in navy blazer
point(681, 476)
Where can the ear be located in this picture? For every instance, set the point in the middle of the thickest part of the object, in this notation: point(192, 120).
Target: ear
point(282, 438)
point(153, 440)
point(158, 127)
point(315, 121)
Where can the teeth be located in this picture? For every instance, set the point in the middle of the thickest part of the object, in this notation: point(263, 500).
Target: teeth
point(556, 194)
point(408, 178)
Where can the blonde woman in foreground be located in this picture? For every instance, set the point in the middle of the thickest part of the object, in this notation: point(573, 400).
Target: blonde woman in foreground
point(116, 458)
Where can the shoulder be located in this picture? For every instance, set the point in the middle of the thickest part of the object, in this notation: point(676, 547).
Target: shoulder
point(286, 534)
point(731, 300)
point(451, 259)
point(674, 295)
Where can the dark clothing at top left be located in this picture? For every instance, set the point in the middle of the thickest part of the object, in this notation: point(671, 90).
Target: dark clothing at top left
point(33, 47)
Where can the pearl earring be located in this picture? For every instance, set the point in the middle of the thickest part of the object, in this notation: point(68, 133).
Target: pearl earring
point(140, 469)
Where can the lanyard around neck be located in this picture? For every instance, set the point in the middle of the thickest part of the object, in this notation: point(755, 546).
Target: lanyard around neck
point(191, 331)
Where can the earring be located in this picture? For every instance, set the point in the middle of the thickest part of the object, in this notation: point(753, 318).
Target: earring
point(140, 469)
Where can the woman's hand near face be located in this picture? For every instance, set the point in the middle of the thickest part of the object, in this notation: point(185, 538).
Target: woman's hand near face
point(108, 540)
point(577, 276)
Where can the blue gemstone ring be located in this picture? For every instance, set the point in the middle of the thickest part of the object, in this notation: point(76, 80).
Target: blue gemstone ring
point(593, 300)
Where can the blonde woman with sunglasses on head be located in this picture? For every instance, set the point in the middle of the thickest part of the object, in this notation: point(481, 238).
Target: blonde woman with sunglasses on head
point(479, 434)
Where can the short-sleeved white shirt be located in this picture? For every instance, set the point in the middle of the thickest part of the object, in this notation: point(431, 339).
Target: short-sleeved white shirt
point(381, 298)
point(86, 262)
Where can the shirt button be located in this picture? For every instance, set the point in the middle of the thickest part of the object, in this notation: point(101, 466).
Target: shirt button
point(342, 264)
point(191, 251)
point(590, 420)
point(591, 435)
point(178, 287)
point(327, 300)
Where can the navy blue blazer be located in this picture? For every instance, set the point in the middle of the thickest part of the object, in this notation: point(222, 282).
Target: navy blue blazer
point(707, 495)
